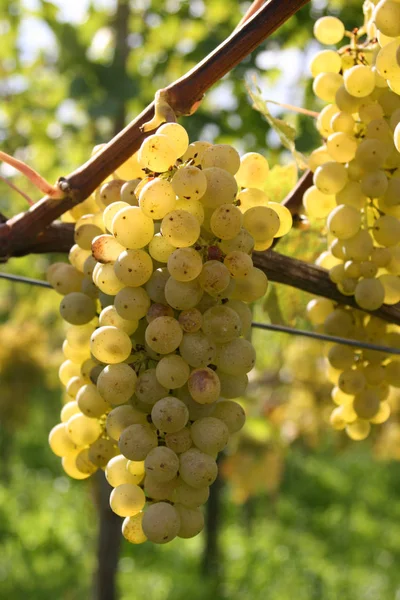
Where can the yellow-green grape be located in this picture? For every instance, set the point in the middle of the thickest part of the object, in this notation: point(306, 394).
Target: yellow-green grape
point(324, 119)
point(386, 230)
point(358, 430)
point(177, 137)
point(330, 178)
point(261, 222)
point(160, 248)
point(317, 204)
point(354, 171)
point(149, 389)
point(251, 197)
point(336, 249)
point(358, 247)
point(180, 228)
point(158, 490)
point(232, 386)
point(161, 523)
point(195, 152)
point(67, 370)
point(221, 188)
point(366, 404)
point(353, 269)
point(329, 30)
point(380, 257)
point(190, 320)
point(69, 465)
point(109, 316)
point(172, 371)
point(244, 313)
point(374, 374)
point(60, 442)
point(210, 435)
point(158, 310)
point(83, 430)
point(336, 419)
point(169, 414)
point(342, 147)
point(121, 417)
point(196, 410)
point(392, 373)
point(243, 242)
point(226, 222)
point(84, 235)
point(231, 413)
point(347, 286)
point(326, 61)
point(391, 285)
point(339, 322)
point(352, 381)
point(344, 222)
point(285, 218)
point(359, 81)
point(189, 183)
point(396, 137)
point(90, 402)
point(340, 397)
point(106, 279)
point(162, 464)
point(325, 86)
point(341, 357)
point(185, 264)
point(190, 496)
point(157, 198)
point(374, 184)
point(352, 195)
point(133, 267)
point(136, 468)
point(157, 153)
point(223, 156)
point(238, 263)
point(132, 304)
point(346, 102)
point(253, 171)
point(77, 257)
point(379, 129)
point(89, 288)
point(327, 260)
point(371, 153)
point(236, 357)
point(64, 278)
point(69, 409)
point(342, 122)
point(127, 499)
point(221, 324)
point(252, 287)
point(214, 277)
point(132, 529)
point(110, 345)
point(127, 195)
point(394, 261)
point(163, 335)
point(392, 193)
point(110, 192)
point(137, 440)
point(387, 17)
point(197, 468)
point(191, 521)
point(197, 350)
point(194, 207)
point(106, 249)
point(116, 383)
point(132, 227)
point(76, 354)
point(204, 385)
point(102, 451)
point(382, 415)
point(179, 441)
point(83, 462)
point(389, 101)
point(318, 157)
point(77, 308)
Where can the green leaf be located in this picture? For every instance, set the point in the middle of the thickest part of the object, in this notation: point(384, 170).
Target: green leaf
point(286, 132)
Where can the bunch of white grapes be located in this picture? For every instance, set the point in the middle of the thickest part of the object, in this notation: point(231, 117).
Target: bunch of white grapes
point(156, 297)
point(361, 377)
point(357, 190)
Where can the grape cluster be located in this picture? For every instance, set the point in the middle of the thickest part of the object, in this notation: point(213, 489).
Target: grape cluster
point(357, 190)
point(156, 297)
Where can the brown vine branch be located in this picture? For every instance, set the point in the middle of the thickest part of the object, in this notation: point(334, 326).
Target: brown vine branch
point(312, 279)
point(185, 93)
point(294, 199)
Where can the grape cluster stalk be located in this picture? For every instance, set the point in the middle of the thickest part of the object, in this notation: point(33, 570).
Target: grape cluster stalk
point(357, 190)
point(156, 296)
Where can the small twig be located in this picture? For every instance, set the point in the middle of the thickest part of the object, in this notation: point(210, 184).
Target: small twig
point(39, 181)
point(298, 109)
point(18, 190)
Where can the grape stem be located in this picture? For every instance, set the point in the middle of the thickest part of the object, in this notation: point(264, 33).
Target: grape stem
point(183, 96)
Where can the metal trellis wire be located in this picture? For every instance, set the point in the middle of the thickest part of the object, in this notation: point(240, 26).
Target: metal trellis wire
point(266, 326)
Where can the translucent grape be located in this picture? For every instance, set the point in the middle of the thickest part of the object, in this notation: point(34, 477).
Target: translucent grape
point(222, 156)
point(127, 499)
point(359, 81)
point(160, 248)
point(106, 279)
point(132, 227)
point(110, 345)
point(179, 441)
point(177, 137)
point(191, 521)
point(132, 529)
point(105, 248)
point(326, 61)
point(226, 222)
point(121, 417)
point(169, 414)
point(197, 468)
point(157, 198)
point(137, 440)
point(329, 30)
point(235, 357)
point(157, 153)
point(317, 204)
point(185, 264)
point(83, 430)
point(132, 304)
point(387, 17)
point(180, 228)
point(231, 413)
point(189, 183)
point(325, 86)
point(162, 464)
point(190, 320)
point(221, 188)
point(330, 178)
point(253, 171)
point(214, 277)
point(60, 442)
point(172, 371)
point(164, 335)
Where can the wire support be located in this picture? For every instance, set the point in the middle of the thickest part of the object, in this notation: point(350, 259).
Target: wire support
point(266, 326)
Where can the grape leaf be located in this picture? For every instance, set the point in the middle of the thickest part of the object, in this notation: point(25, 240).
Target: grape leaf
point(286, 132)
